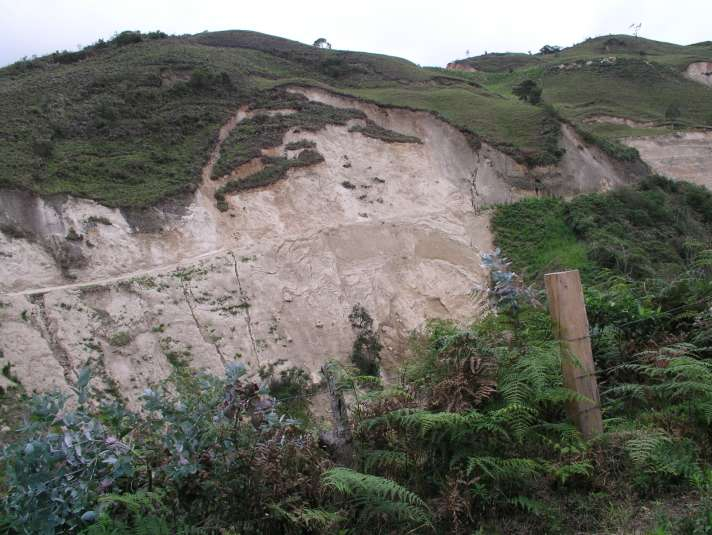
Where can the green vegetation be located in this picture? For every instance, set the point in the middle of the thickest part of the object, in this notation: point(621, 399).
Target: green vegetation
point(275, 170)
point(389, 136)
point(612, 147)
point(528, 91)
point(365, 354)
point(301, 144)
point(534, 235)
point(263, 131)
point(120, 339)
point(472, 435)
point(651, 229)
point(619, 75)
point(132, 120)
point(501, 61)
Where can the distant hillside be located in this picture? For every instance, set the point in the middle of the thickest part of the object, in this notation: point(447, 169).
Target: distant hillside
point(131, 121)
point(616, 75)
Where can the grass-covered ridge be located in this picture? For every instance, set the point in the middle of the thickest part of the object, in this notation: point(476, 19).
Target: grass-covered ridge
point(131, 121)
point(616, 75)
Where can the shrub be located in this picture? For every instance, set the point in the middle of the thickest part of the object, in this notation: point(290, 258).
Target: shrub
point(275, 171)
point(119, 339)
point(203, 79)
point(66, 56)
point(43, 147)
point(301, 144)
point(673, 113)
point(126, 38)
point(549, 49)
point(613, 148)
point(528, 91)
point(213, 448)
point(366, 348)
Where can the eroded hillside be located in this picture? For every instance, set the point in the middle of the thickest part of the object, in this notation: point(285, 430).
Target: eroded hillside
point(269, 207)
point(394, 226)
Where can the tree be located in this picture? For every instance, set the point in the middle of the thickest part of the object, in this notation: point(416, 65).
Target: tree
point(672, 113)
point(528, 91)
point(322, 43)
point(549, 49)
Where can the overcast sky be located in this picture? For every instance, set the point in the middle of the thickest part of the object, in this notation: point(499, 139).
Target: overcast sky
point(426, 32)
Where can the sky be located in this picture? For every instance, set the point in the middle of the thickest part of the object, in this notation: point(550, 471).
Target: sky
point(426, 32)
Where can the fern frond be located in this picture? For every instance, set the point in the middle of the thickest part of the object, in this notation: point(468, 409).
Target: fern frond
point(641, 449)
point(498, 469)
point(565, 472)
point(136, 502)
point(378, 493)
point(528, 505)
point(307, 517)
point(385, 459)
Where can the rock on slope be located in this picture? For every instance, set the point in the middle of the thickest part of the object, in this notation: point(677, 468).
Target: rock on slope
point(396, 227)
point(701, 72)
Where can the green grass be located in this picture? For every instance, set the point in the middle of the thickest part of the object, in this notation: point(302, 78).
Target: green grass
point(263, 131)
point(534, 235)
point(629, 88)
point(507, 123)
point(501, 61)
point(130, 123)
point(650, 230)
point(374, 131)
point(644, 80)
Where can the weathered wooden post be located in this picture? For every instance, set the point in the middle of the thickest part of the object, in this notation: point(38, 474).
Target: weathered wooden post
point(339, 414)
point(568, 311)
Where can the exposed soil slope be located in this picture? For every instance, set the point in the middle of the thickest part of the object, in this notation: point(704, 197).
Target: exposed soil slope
point(682, 155)
point(701, 72)
point(397, 227)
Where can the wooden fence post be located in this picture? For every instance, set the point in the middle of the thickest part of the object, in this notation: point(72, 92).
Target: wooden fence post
point(342, 428)
point(568, 311)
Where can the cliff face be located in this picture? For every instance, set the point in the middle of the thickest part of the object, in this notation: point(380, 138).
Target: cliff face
point(395, 227)
point(701, 72)
point(682, 155)
point(455, 66)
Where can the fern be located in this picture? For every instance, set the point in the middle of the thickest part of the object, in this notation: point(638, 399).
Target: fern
point(144, 517)
point(307, 517)
point(135, 503)
point(567, 471)
point(394, 461)
point(672, 378)
point(498, 469)
point(377, 495)
point(643, 447)
point(528, 505)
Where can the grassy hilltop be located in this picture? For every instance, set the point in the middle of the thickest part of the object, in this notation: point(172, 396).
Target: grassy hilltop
point(130, 121)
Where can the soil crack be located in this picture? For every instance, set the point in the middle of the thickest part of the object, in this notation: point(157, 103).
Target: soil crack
point(246, 307)
point(188, 295)
point(48, 330)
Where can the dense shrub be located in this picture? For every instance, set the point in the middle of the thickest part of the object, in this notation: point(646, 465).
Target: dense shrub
point(213, 448)
point(366, 348)
point(126, 38)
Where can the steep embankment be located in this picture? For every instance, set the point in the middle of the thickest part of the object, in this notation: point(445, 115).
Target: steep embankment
point(397, 227)
point(700, 71)
point(681, 155)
